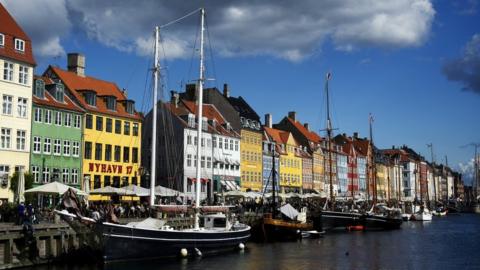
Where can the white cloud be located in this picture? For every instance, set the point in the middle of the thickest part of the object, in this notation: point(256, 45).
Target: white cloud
point(468, 171)
point(45, 22)
point(280, 28)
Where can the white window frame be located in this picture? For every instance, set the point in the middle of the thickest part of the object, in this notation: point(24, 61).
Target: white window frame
point(75, 149)
point(58, 118)
point(47, 145)
point(57, 147)
point(77, 121)
point(36, 174)
point(21, 139)
point(66, 148)
point(22, 107)
point(2, 39)
point(48, 117)
point(189, 160)
point(19, 44)
point(8, 71)
point(37, 145)
point(65, 175)
point(22, 74)
point(46, 174)
point(67, 119)
point(74, 176)
point(37, 116)
point(7, 103)
point(5, 138)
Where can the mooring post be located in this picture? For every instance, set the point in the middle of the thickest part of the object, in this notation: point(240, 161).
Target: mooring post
point(8, 251)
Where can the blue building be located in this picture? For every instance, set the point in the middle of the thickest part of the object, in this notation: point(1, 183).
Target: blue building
point(342, 174)
point(267, 160)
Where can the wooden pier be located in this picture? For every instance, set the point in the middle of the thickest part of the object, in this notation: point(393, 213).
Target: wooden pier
point(46, 243)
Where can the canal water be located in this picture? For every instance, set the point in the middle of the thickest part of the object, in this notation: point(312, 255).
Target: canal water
point(451, 242)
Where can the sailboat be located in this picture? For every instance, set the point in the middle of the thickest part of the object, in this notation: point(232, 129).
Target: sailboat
point(153, 238)
point(333, 218)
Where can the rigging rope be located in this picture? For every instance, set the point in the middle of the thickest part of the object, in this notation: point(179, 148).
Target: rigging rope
point(181, 18)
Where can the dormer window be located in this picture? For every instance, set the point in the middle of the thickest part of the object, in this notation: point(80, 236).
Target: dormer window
point(130, 106)
point(19, 45)
point(2, 39)
point(111, 102)
point(59, 92)
point(204, 123)
point(90, 98)
point(191, 120)
point(39, 89)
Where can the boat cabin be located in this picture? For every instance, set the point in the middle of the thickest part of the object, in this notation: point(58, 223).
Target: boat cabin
point(215, 221)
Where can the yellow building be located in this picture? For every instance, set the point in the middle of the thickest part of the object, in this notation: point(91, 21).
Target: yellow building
point(251, 159)
point(382, 174)
point(111, 128)
point(290, 161)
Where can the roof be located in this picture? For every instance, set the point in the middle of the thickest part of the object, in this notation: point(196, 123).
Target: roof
point(310, 135)
point(208, 110)
point(243, 109)
point(277, 135)
point(11, 30)
point(50, 101)
point(76, 84)
point(362, 146)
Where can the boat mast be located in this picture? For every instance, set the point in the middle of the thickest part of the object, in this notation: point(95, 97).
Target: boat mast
point(199, 124)
point(274, 203)
point(329, 137)
point(156, 71)
point(475, 161)
point(430, 145)
point(374, 172)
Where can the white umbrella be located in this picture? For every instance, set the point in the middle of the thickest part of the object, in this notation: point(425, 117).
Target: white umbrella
point(167, 192)
point(109, 190)
point(55, 188)
point(86, 185)
point(139, 191)
point(21, 185)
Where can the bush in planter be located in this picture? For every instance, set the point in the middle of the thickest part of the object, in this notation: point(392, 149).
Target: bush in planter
point(8, 212)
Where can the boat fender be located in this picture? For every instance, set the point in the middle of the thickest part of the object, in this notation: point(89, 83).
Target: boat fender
point(198, 252)
point(184, 252)
point(241, 246)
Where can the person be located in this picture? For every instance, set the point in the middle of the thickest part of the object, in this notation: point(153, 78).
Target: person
point(31, 214)
point(21, 213)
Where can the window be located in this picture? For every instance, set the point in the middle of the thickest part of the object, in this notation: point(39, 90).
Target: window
point(7, 71)
point(231, 145)
point(108, 152)
point(226, 144)
point(65, 175)
point(77, 121)
point(195, 141)
point(48, 117)
point(236, 145)
point(130, 107)
point(36, 144)
point(111, 103)
point(189, 139)
point(47, 145)
point(116, 181)
point(118, 126)
point(117, 154)
point(57, 147)
point(125, 181)
point(99, 124)
point(106, 181)
point(134, 155)
point(36, 174)
point(214, 142)
point(74, 176)
point(19, 45)
point(37, 116)
point(23, 74)
point(22, 107)
point(67, 120)
point(66, 148)
point(108, 125)
point(46, 175)
point(59, 96)
point(135, 129)
point(96, 181)
point(202, 162)
point(5, 138)
point(126, 128)
point(58, 118)
point(98, 151)
point(203, 142)
point(88, 150)
point(21, 138)
point(209, 162)
point(7, 104)
point(189, 160)
point(89, 121)
point(134, 180)
point(76, 149)
point(126, 154)
point(220, 143)
point(2, 40)
point(40, 88)
point(91, 98)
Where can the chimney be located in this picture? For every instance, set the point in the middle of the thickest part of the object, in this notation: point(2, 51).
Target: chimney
point(292, 115)
point(174, 98)
point(191, 91)
point(268, 120)
point(306, 126)
point(76, 63)
point(124, 92)
point(355, 135)
point(226, 91)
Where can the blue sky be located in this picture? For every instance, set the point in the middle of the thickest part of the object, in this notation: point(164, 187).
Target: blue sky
point(413, 64)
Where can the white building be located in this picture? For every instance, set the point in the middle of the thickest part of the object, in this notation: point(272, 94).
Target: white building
point(410, 179)
point(16, 79)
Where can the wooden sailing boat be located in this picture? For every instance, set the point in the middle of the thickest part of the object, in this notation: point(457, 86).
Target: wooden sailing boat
point(152, 238)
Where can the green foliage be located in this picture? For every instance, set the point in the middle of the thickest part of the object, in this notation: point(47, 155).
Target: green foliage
point(8, 212)
point(14, 182)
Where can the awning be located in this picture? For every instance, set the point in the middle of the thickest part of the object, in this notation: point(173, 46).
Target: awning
point(203, 180)
point(229, 185)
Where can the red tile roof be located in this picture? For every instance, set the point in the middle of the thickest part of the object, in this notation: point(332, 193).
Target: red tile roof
point(209, 111)
point(76, 84)
point(11, 30)
point(277, 135)
point(310, 135)
point(50, 101)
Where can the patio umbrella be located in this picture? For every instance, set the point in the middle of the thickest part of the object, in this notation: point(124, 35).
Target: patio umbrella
point(109, 190)
point(54, 188)
point(21, 186)
point(139, 191)
point(167, 192)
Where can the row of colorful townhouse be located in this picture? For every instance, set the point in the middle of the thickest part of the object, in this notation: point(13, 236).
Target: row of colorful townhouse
point(64, 125)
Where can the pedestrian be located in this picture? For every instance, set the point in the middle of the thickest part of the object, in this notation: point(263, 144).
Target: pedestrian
point(21, 213)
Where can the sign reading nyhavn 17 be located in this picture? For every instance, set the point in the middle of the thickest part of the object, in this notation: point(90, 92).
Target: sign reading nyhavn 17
point(109, 168)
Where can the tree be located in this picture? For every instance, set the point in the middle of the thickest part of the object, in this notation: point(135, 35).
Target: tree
point(14, 182)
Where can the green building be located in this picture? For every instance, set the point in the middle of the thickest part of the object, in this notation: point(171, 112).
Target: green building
point(56, 142)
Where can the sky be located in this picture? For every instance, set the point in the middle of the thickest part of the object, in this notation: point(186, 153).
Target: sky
point(413, 64)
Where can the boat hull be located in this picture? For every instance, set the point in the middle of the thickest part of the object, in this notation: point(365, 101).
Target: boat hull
point(422, 217)
point(278, 229)
point(376, 222)
point(332, 219)
point(125, 243)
